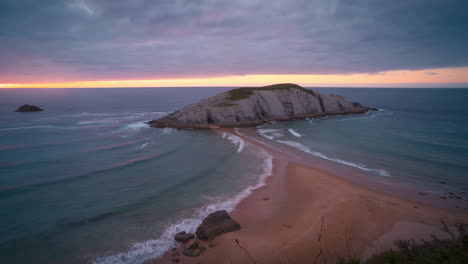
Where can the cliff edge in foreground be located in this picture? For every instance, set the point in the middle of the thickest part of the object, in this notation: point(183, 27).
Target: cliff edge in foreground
point(254, 106)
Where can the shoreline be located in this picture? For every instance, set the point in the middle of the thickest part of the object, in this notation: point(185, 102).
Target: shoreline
point(297, 218)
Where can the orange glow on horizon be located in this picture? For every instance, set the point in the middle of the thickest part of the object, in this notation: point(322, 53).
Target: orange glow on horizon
point(389, 78)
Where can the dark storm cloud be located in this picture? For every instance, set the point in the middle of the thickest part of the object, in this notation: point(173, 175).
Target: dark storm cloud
point(120, 39)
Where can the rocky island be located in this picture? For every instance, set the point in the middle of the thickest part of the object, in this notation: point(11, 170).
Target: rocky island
point(29, 108)
point(250, 106)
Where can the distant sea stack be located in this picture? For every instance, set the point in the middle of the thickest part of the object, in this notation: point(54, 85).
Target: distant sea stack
point(29, 108)
point(250, 106)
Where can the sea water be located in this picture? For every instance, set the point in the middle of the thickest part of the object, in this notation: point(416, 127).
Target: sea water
point(417, 136)
point(87, 181)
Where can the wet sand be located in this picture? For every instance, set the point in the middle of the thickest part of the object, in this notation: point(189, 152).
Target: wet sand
point(307, 215)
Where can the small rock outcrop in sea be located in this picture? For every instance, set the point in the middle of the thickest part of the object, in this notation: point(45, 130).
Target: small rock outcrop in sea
point(216, 224)
point(255, 106)
point(29, 108)
point(183, 237)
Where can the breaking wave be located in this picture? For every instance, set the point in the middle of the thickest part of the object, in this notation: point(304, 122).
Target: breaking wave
point(101, 121)
point(306, 149)
point(135, 126)
point(131, 129)
point(235, 140)
point(143, 251)
point(168, 130)
point(270, 133)
point(144, 145)
point(294, 133)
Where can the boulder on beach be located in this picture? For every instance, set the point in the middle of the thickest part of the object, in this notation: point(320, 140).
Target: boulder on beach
point(183, 237)
point(194, 252)
point(194, 245)
point(29, 108)
point(216, 224)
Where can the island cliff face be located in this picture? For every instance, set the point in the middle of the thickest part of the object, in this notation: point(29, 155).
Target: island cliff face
point(254, 106)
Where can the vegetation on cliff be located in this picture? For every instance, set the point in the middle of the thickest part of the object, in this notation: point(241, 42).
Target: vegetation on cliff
point(453, 250)
point(245, 92)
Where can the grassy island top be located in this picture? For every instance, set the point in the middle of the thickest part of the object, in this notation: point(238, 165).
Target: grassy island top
point(245, 92)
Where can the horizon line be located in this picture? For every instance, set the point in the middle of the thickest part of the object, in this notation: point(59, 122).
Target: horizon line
point(443, 78)
point(433, 86)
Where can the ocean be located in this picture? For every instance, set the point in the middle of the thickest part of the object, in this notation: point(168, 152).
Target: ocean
point(87, 181)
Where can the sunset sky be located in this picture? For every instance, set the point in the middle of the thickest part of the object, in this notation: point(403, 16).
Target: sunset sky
point(148, 43)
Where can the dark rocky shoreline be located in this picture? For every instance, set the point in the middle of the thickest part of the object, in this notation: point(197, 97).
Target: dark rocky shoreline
point(213, 225)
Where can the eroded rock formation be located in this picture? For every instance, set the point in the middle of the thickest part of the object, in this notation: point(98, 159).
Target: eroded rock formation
point(255, 106)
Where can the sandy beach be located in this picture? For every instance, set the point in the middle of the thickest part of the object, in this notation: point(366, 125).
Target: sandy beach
point(307, 215)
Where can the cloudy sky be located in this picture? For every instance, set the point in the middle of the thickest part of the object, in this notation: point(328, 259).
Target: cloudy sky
point(51, 41)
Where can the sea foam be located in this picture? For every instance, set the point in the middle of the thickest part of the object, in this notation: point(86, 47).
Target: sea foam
point(144, 145)
point(239, 142)
point(306, 149)
point(131, 129)
point(270, 133)
point(294, 133)
point(168, 130)
point(135, 126)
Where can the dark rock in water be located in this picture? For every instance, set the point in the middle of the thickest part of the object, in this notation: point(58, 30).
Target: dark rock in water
point(176, 260)
point(29, 108)
point(183, 237)
point(216, 224)
point(421, 193)
point(443, 197)
point(442, 182)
